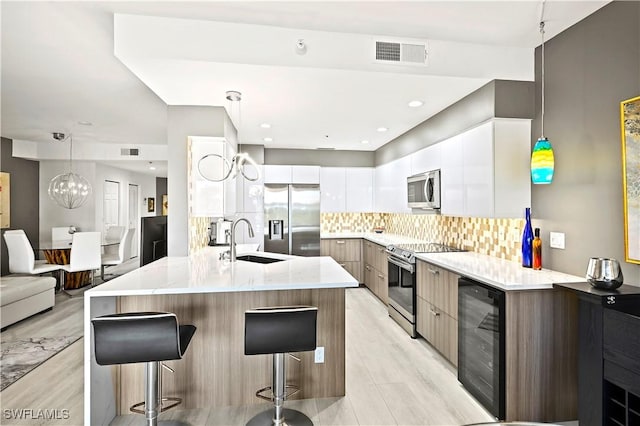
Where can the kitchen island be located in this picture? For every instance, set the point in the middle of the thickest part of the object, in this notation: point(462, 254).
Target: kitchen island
point(213, 295)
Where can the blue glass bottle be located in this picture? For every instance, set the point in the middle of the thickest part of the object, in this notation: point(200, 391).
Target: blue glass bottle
point(527, 240)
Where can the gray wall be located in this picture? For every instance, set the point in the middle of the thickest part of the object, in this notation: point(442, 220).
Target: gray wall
point(25, 204)
point(589, 69)
point(161, 189)
point(498, 98)
point(319, 157)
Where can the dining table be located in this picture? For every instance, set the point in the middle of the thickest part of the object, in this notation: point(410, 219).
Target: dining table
point(58, 252)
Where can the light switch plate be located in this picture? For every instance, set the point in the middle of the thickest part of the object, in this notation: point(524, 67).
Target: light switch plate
point(319, 355)
point(556, 240)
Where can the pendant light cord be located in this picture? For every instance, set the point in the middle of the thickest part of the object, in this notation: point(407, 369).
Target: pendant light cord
point(70, 153)
point(542, 54)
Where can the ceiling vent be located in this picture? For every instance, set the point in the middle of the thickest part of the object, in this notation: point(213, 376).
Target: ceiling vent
point(402, 53)
point(129, 151)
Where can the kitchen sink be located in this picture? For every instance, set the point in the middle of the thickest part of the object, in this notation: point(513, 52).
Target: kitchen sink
point(258, 259)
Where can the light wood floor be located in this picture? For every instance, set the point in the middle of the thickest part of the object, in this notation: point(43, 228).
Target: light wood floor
point(391, 380)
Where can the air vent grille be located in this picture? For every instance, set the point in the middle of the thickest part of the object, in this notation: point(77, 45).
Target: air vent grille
point(401, 53)
point(129, 151)
point(386, 51)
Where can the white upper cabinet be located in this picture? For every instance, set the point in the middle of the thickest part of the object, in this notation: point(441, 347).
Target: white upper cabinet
point(346, 189)
point(391, 186)
point(277, 174)
point(291, 174)
point(451, 177)
point(485, 170)
point(426, 159)
point(250, 195)
point(305, 174)
point(332, 189)
point(359, 189)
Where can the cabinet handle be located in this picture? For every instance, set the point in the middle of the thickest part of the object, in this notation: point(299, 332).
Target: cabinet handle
point(434, 313)
point(380, 276)
point(381, 250)
point(433, 271)
point(367, 267)
point(342, 264)
point(340, 242)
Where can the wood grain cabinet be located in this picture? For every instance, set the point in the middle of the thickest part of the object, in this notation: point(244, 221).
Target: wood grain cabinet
point(375, 270)
point(347, 252)
point(437, 308)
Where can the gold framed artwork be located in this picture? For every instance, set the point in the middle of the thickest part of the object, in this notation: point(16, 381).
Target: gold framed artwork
point(151, 204)
point(630, 128)
point(5, 200)
point(165, 205)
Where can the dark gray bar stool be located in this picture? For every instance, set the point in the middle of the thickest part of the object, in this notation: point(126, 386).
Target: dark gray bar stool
point(149, 337)
point(277, 331)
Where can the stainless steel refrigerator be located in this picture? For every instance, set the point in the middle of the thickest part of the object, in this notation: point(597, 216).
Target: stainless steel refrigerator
point(292, 219)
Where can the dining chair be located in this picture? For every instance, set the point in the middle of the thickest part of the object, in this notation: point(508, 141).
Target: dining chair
point(85, 254)
point(114, 233)
point(22, 259)
point(60, 233)
point(124, 252)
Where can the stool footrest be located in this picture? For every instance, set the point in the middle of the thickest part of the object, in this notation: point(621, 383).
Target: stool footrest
point(294, 389)
point(174, 403)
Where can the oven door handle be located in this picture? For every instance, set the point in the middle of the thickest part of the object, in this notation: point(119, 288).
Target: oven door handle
point(404, 265)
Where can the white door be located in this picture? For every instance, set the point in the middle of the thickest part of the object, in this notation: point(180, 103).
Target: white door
point(134, 218)
point(111, 205)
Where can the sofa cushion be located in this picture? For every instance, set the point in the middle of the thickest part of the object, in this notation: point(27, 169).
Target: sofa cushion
point(14, 288)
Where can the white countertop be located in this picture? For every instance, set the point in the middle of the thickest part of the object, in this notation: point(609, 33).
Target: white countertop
point(203, 272)
point(499, 273)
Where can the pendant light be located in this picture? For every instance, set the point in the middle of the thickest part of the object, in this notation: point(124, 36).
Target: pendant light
point(69, 190)
point(542, 159)
point(216, 168)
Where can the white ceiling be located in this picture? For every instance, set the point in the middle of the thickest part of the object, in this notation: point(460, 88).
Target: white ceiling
point(59, 67)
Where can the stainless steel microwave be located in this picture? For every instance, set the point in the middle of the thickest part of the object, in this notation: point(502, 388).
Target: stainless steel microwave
point(423, 190)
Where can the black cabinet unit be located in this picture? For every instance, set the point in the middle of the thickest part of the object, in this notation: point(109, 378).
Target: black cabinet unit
point(609, 355)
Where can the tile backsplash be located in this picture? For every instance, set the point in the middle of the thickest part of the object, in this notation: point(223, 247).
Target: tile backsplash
point(494, 237)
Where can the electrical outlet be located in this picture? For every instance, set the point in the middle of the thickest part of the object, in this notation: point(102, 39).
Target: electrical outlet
point(515, 235)
point(501, 235)
point(319, 355)
point(556, 240)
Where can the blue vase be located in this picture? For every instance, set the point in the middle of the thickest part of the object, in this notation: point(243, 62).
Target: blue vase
point(527, 240)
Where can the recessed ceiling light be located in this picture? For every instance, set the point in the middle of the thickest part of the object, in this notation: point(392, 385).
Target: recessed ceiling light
point(416, 104)
point(265, 125)
point(365, 141)
point(268, 139)
point(85, 123)
point(382, 129)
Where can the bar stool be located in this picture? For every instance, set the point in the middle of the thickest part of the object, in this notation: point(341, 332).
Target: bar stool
point(149, 337)
point(277, 331)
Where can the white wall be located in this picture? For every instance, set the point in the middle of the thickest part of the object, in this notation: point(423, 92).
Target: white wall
point(89, 216)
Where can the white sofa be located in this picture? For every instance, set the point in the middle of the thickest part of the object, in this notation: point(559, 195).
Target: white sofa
point(22, 296)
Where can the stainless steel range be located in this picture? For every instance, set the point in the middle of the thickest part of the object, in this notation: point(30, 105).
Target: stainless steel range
point(402, 280)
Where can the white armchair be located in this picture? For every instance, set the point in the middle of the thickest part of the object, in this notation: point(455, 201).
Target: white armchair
point(22, 259)
point(85, 254)
point(124, 252)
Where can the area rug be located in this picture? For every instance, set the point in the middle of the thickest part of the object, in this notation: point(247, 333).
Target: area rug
point(21, 356)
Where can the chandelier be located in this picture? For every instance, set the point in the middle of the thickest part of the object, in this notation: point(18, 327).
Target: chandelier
point(69, 190)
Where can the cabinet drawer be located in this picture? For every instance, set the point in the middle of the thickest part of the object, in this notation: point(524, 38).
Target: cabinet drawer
point(369, 249)
point(438, 328)
point(369, 277)
point(439, 287)
point(354, 268)
point(380, 262)
point(341, 250)
point(382, 287)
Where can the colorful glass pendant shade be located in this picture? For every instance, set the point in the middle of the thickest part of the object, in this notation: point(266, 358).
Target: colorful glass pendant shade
point(542, 162)
point(542, 158)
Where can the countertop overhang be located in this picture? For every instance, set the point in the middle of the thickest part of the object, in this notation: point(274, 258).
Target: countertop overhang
point(204, 272)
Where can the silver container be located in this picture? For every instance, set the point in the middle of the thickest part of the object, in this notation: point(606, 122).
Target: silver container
point(604, 273)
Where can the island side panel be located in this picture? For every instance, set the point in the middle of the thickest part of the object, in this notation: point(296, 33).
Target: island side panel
point(215, 372)
point(541, 356)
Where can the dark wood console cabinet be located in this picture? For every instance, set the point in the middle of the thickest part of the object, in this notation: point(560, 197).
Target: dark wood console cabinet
point(609, 355)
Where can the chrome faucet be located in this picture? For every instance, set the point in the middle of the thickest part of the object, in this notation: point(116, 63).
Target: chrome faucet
point(232, 249)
